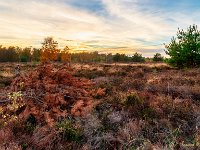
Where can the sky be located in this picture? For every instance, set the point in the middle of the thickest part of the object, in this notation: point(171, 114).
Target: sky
point(108, 26)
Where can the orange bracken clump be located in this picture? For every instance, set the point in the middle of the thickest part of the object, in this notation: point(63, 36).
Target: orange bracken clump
point(51, 93)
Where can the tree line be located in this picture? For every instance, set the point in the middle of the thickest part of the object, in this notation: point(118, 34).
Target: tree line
point(17, 54)
point(184, 52)
point(50, 52)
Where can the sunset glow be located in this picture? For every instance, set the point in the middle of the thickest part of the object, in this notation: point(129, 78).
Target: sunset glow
point(123, 26)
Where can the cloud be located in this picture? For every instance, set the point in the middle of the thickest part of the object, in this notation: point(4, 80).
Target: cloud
point(34, 20)
point(104, 25)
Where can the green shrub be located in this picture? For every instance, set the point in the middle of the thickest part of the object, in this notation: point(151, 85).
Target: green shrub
point(139, 107)
point(30, 124)
point(68, 131)
point(147, 113)
point(133, 100)
point(24, 126)
point(24, 146)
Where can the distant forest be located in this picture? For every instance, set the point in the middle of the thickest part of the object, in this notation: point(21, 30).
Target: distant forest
point(50, 52)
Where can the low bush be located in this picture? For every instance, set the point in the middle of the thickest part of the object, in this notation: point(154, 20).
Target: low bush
point(30, 124)
point(139, 107)
point(68, 131)
point(133, 100)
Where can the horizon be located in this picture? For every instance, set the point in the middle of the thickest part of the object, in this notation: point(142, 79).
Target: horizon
point(106, 26)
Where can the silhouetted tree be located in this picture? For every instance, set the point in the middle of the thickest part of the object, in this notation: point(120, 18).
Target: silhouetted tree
point(138, 58)
point(158, 57)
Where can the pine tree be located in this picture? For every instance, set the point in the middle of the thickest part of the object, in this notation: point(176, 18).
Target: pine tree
point(185, 49)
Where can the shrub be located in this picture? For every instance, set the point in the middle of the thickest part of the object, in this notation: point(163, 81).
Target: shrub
point(68, 131)
point(23, 127)
point(9, 113)
point(133, 100)
point(139, 107)
point(24, 146)
point(30, 124)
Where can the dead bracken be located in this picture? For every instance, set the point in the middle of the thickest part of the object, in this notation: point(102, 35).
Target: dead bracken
point(51, 93)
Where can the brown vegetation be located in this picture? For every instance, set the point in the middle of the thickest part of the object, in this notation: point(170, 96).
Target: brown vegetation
point(104, 107)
